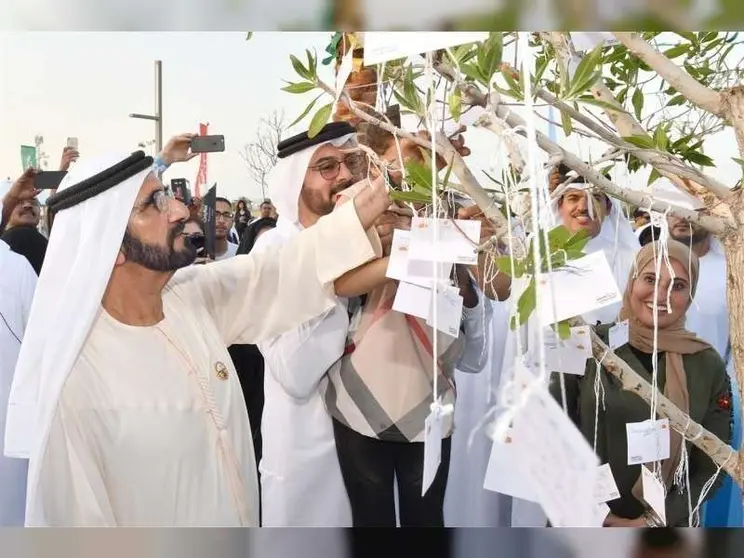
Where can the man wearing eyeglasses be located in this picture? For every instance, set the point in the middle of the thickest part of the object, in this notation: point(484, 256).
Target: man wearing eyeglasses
point(223, 248)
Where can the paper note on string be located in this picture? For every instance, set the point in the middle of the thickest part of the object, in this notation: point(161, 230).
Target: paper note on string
point(583, 41)
point(413, 300)
point(448, 311)
point(560, 465)
point(605, 488)
point(383, 46)
point(344, 71)
point(619, 334)
point(654, 493)
point(568, 355)
point(402, 268)
point(579, 287)
point(455, 243)
point(504, 474)
point(648, 441)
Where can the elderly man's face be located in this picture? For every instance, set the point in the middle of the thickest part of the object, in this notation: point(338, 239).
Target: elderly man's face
point(331, 170)
point(574, 211)
point(154, 237)
point(25, 214)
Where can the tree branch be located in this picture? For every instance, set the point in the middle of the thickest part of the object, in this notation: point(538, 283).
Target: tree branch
point(627, 126)
point(696, 92)
point(721, 454)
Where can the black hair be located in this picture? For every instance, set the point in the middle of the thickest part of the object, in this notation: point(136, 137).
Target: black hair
point(563, 171)
point(223, 200)
point(251, 234)
point(266, 201)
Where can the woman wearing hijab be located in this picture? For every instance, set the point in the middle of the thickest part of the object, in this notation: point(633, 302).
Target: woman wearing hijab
point(690, 373)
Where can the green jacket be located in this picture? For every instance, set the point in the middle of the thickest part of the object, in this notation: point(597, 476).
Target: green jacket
point(710, 389)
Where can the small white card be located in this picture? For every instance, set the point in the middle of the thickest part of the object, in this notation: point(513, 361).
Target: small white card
point(648, 441)
point(654, 493)
point(605, 489)
point(558, 462)
point(619, 334)
point(344, 71)
point(568, 355)
point(456, 240)
point(504, 475)
point(580, 287)
point(402, 268)
point(413, 300)
point(584, 41)
point(448, 311)
point(432, 449)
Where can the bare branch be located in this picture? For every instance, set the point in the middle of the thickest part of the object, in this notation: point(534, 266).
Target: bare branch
point(705, 98)
point(260, 154)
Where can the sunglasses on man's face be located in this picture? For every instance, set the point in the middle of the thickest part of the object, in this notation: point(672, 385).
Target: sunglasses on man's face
point(330, 167)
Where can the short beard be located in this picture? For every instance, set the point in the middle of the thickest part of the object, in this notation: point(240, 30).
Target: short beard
point(698, 236)
point(319, 206)
point(158, 258)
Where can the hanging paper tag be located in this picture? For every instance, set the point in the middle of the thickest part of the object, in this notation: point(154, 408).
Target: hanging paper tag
point(449, 311)
point(605, 489)
point(413, 300)
point(432, 448)
point(504, 474)
point(648, 441)
point(456, 240)
point(344, 71)
point(558, 462)
point(402, 268)
point(619, 334)
point(654, 494)
point(568, 355)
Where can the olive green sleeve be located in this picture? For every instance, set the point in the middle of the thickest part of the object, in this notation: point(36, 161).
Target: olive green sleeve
point(573, 392)
point(718, 420)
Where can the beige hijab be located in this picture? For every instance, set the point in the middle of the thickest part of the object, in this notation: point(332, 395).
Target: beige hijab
point(673, 340)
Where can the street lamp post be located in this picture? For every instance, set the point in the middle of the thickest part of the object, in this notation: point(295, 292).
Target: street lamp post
point(158, 116)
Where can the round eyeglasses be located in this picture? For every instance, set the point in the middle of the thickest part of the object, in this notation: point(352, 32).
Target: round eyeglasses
point(330, 167)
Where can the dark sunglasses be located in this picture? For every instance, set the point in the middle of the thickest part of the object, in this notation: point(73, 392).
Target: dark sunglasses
point(330, 167)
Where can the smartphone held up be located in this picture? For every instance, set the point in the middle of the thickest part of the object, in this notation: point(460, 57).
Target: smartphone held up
point(208, 144)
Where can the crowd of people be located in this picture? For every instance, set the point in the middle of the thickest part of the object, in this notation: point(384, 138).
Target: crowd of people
point(145, 383)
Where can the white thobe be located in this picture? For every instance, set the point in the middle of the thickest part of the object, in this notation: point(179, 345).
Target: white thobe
point(301, 482)
point(17, 284)
point(151, 428)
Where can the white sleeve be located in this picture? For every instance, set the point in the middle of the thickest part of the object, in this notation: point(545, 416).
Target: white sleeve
point(299, 358)
point(477, 326)
point(28, 289)
point(256, 297)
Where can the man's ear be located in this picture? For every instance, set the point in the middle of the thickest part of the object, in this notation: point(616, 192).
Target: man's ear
point(121, 259)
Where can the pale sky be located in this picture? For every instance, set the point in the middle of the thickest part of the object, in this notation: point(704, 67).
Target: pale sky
point(85, 85)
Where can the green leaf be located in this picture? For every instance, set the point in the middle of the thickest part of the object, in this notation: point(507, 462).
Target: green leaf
point(527, 302)
point(601, 104)
point(311, 64)
point(567, 124)
point(409, 197)
point(558, 237)
point(644, 142)
point(300, 68)
point(737, 160)
point(578, 241)
point(585, 70)
point(248, 35)
point(655, 174)
point(514, 88)
point(418, 174)
point(676, 51)
point(563, 329)
point(471, 71)
point(492, 50)
point(638, 103)
point(319, 120)
point(699, 159)
point(676, 100)
point(302, 87)
point(455, 104)
point(689, 36)
point(661, 141)
point(307, 110)
point(503, 264)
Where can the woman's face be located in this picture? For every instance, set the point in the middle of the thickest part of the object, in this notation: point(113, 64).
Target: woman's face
point(642, 295)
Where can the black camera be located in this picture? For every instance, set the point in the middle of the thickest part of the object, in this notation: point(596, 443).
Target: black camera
point(197, 241)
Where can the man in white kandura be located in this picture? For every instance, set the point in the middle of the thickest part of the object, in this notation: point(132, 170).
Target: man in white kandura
point(301, 483)
point(125, 398)
point(17, 284)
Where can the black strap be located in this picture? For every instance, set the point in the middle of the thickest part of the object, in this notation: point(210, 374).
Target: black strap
point(99, 183)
